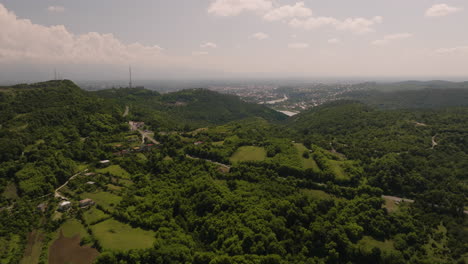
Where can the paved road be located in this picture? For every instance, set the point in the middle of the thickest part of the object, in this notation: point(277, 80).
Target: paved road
point(144, 134)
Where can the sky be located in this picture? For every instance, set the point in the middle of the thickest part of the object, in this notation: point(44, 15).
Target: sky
point(181, 39)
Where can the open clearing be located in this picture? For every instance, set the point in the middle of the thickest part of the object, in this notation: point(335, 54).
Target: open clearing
point(337, 169)
point(249, 153)
point(316, 194)
point(114, 235)
point(11, 191)
point(105, 199)
point(68, 250)
point(390, 205)
point(367, 243)
point(306, 163)
point(94, 215)
point(72, 228)
point(115, 170)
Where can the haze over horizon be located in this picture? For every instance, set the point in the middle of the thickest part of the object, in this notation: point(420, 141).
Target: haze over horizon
point(89, 40)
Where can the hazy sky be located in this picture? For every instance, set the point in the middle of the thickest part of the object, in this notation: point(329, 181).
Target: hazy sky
point(161, 39)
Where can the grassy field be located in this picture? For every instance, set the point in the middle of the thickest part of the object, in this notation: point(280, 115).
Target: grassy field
point(113, 187)
point(218, 143)
point(115, 170)
point(105, 199)
point(93, 215)
point(316, 194)
point(249, 153)
point(73, 227)
point(114, 235)
point(123, 182)
point(11, 191)
point(367, 243)
point(306, 163)
point(142, 156)
point(390, 205)
point(81, 167)
point(337, 169)
point(33, 247)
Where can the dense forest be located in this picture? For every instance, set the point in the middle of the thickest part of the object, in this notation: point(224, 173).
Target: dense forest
point(201, 177)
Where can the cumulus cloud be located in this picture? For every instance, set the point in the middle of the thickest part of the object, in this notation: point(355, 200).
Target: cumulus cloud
point(235, 7)
point(334, 41)
point(299, 15)
point(208, 45)
point(389, 38)
point(440, 10)
point(25, 42)
point(260, 36)
point(56, 9)
point(459, 49)
point(298, 45)
point(357, 25)
point(288, 11)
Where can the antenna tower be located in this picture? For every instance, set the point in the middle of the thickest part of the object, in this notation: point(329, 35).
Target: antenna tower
point(130, 72)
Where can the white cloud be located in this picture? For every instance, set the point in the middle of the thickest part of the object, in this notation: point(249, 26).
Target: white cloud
point(388, 38)
point(199, 53)
point(334, 41)
point(56, 9)
point(235, 7)
point(440, 10)
point(208, 45)
point(24, 42)
point(260, 36)
point(288, 11)
point(298, 45)
point(357, 25)
point(459, 49)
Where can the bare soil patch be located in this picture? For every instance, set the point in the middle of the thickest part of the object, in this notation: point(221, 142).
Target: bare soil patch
point(68, 250)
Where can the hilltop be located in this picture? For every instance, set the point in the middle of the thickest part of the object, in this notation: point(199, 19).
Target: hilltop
point(192, 108)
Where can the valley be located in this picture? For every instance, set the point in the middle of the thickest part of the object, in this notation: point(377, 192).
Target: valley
point(200, 177)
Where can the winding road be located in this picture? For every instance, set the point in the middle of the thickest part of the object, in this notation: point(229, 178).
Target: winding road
point(57, 194)
point(126, 111)
point(434, 143)
point(210, 161)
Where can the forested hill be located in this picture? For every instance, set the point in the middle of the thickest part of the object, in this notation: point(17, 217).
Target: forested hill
point(403, 152)
point(191, 108)
point(412, 96)
point(46, 128)
point(251, 191)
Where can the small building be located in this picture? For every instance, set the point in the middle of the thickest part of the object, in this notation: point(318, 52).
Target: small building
point(64, 205)
point(103, 163)
point(86, 202)
point(90, 183)
point(42, 207)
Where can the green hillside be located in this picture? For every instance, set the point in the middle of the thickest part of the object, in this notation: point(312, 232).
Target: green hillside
point(212, 179)
point(191, 108)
